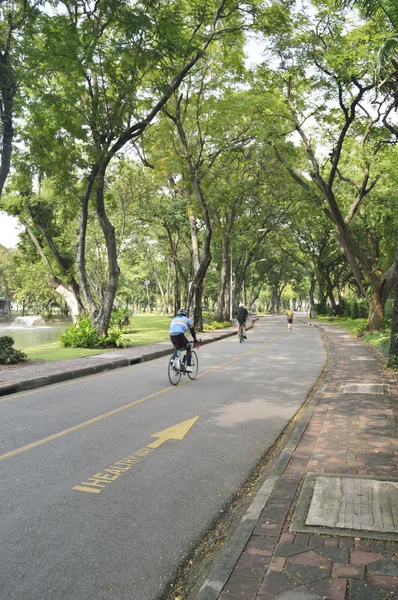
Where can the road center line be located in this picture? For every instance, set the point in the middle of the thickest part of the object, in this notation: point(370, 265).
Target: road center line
point(60, 434)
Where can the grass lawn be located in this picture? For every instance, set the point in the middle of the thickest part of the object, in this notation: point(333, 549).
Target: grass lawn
point(147, 329)
point(144, 329)
point(378, 339)
point(54, 351)
point(354, 326)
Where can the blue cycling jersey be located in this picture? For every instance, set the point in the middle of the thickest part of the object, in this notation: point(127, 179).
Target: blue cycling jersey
point(180, 325)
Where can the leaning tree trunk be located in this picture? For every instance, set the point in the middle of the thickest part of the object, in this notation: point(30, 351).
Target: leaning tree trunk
point(69, 290)
point(380, 286)
point(195, 303)
point(222, 312)
point(71, 298)
point(393, 352)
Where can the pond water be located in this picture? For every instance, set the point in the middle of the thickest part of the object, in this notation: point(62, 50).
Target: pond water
point(36, 335)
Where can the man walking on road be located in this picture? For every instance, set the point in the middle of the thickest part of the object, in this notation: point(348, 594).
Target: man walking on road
point(241, 315)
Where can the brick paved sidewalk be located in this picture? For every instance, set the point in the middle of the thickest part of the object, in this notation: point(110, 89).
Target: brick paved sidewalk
point(347, 434)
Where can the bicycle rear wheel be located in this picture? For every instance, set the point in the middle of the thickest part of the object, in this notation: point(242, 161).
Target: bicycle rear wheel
point(174, 371)
point(194, 365)
point(241, 338)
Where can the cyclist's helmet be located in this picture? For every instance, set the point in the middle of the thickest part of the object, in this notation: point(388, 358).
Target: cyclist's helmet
point(182, 312)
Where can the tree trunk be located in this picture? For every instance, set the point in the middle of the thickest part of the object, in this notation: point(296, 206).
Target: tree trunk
point(322, 303)
point(379, 286)
point(81, 245)
point(222, 313)
point(376, 312)
point(102, 319)
point(168, 288)
point(177, 292)
point(161, 290)
point(335, 308)
point(311, 293)
point(195, 303)
point(71, 300)
point(278, 300)
point(393, 352)
point(70, 291)
point(195, 243)
point(7, 91)
point(196, 289)
point(273, 301)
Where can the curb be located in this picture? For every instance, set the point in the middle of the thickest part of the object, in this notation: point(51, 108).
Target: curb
point(84, 371)
point(221, 572)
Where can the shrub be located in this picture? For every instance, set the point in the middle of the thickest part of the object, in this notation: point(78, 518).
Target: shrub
point(387, 322)
point(347, 309)
point(114, 338)
point(388, 308)
point(8, 354)
point(119, 318)
point(392, 362)
point(208, 316)
point(81, 334)
point(84, 335)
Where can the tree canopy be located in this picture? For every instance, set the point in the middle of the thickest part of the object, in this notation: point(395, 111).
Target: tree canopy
point(153, 165)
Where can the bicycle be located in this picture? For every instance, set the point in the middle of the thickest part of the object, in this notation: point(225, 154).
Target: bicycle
point(177, 365)
point(241, 333)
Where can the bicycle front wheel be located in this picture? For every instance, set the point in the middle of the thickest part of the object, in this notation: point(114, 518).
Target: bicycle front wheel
point(194, 365)
point(174, 371)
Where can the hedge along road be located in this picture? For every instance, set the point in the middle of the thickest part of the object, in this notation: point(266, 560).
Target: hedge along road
point(108, 482)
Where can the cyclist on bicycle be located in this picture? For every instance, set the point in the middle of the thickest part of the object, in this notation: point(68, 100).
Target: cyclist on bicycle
point(178, 328)
point(241, 316)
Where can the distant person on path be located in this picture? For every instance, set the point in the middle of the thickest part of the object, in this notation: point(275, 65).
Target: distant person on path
point(241, 316)
point(289, 316)
point(178, 328)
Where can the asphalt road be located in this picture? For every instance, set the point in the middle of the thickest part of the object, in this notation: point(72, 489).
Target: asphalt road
point(93, 506)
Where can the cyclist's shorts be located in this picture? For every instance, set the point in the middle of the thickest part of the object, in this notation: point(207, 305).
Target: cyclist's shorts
point(241, 322)
point(179, 341)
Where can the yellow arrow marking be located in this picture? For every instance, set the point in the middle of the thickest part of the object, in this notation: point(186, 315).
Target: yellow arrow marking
point(100, 480)
point(176, 432)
